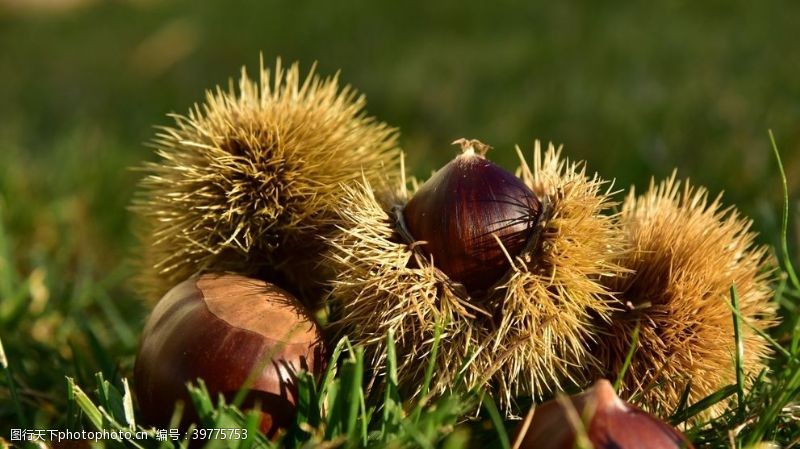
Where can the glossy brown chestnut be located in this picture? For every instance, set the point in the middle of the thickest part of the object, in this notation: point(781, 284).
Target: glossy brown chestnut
point(613, 424)
point(462, 211)
point(225, 329)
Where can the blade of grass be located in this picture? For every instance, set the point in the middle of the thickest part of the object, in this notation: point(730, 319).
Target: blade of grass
point(497, 421)
point(332, 419)
point(628, 356)
point(103, 394)
point(778, 347)
point(787, 262)
point(202, 401)
point(357, 398)
point(684, 401)
point(577, 422)
point(739, 357)
point(252, 421)
point(703, 404)
point(12, 387)
point(92, 412)
point(330, 370)
point(391, 402)
point(127, 405)
point(366, 414)
point(177, 415)
point(471, 355)
point(437, 336)
point(352, 377)
point(73, 412)
point(780, 295)
point(307, 402)
point(426, 383)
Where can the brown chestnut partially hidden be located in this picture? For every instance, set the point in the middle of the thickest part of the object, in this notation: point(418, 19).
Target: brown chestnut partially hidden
point(465, 211)
point(608, 422)
point(233, 332)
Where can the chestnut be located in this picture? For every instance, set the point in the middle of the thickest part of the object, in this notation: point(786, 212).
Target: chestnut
point(612, 423)
point(465, 211)
point(233, 332)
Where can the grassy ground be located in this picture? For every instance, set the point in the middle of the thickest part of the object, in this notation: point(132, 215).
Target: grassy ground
point(635, 90)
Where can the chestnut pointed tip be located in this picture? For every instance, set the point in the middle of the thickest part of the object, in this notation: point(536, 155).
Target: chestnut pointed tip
point(472, 147)
point(605, 395)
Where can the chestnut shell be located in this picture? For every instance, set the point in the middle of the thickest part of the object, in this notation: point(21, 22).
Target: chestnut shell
point(459, 211)
point(615, 424)
point(223, 328)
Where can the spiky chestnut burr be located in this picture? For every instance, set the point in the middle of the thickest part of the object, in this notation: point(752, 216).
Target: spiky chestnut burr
point(525, 336)
point(471, 217)
point(248, 180)
point(599, 416)
point(233, 332)
point(689, 251)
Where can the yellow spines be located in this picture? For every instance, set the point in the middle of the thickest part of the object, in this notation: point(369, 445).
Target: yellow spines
point(247, 180)
point(689, 252)
point(528, 336)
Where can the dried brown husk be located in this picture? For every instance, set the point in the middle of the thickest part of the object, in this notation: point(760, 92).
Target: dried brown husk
point(689, 251)
point(529, 336)
point(247, 180)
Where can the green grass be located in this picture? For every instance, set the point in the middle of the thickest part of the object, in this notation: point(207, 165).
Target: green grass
point(634, 90)
point(332, 412)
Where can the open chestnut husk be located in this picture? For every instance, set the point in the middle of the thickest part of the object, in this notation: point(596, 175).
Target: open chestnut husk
point(233, 332)
point(608, 423)
point(465, 212)
point(528, 334)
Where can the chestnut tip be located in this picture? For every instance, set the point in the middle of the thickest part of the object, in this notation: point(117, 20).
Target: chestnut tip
point(470, 146)
point(605, 396)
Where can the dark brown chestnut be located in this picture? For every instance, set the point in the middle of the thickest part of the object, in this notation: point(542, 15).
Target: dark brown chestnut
point(464, 209)
point(232, 332)
point(612, 424)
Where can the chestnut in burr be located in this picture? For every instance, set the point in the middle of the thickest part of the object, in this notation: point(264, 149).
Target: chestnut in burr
point(465, 212)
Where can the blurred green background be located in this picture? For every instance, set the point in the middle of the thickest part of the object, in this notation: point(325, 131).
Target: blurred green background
point(634, 88)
